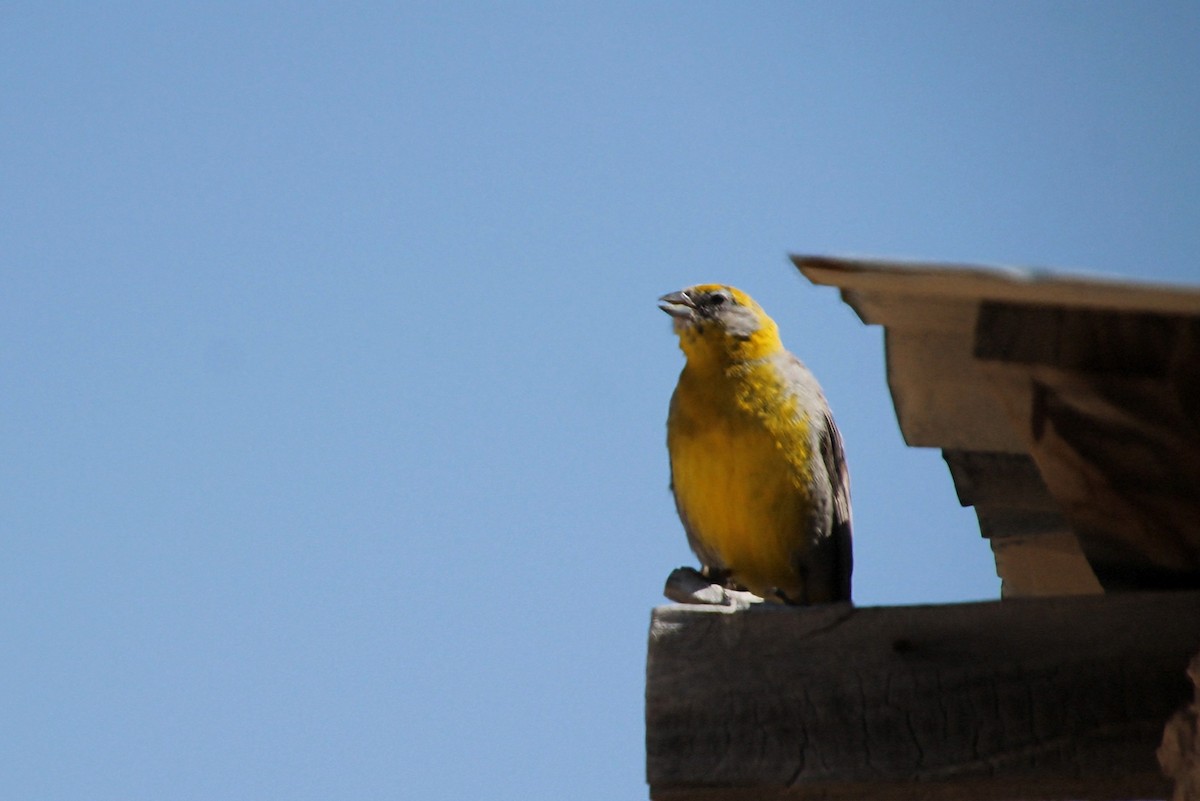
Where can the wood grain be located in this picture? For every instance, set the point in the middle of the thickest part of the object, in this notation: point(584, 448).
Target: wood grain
point(1041, 698)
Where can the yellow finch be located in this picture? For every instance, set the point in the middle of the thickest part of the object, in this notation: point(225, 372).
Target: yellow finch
point(757, 467)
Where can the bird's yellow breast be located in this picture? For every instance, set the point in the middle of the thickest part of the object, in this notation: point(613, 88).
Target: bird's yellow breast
point(739, 455)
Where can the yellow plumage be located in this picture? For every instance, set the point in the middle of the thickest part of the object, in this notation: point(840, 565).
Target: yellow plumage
point(756, 462)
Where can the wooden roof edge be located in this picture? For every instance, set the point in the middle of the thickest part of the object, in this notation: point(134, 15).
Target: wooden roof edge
point(1012, 284)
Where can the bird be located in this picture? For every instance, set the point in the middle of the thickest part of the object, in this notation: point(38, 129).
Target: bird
point(758, 470)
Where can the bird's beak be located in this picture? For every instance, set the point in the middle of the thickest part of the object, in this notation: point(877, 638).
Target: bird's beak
point(678, 305)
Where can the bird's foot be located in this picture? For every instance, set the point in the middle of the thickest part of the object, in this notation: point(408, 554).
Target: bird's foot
point(687, 585)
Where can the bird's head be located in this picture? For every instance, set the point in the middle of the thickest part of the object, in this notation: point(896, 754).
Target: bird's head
point(716, 322)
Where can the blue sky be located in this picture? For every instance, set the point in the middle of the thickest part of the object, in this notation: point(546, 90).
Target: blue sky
point(332, 384)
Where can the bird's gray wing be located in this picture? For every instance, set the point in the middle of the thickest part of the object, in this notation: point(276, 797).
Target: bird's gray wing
point(835, 548)
point(839, 478)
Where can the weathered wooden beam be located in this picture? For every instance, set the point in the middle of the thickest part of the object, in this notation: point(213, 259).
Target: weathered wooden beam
point(936, 383)
point(1031, 698)
point(1037, 553)
point(1113, 426)
point(1007, 480)
point(1122, 459)
point(1118, 342)
point(1045, 563)
point(1014, 285)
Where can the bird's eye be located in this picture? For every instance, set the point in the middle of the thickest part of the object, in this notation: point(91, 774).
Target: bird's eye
point(718, 300)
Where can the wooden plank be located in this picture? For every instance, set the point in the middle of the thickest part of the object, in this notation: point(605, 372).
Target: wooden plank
point(999, 522)
point(942, 398)
point(1121, 457)
point(1009, 480)
point(1019, 285)
point(907, 312)
point(1036, 698)
point(1088, 340)
point(1037, 554)
point(1049, 563)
